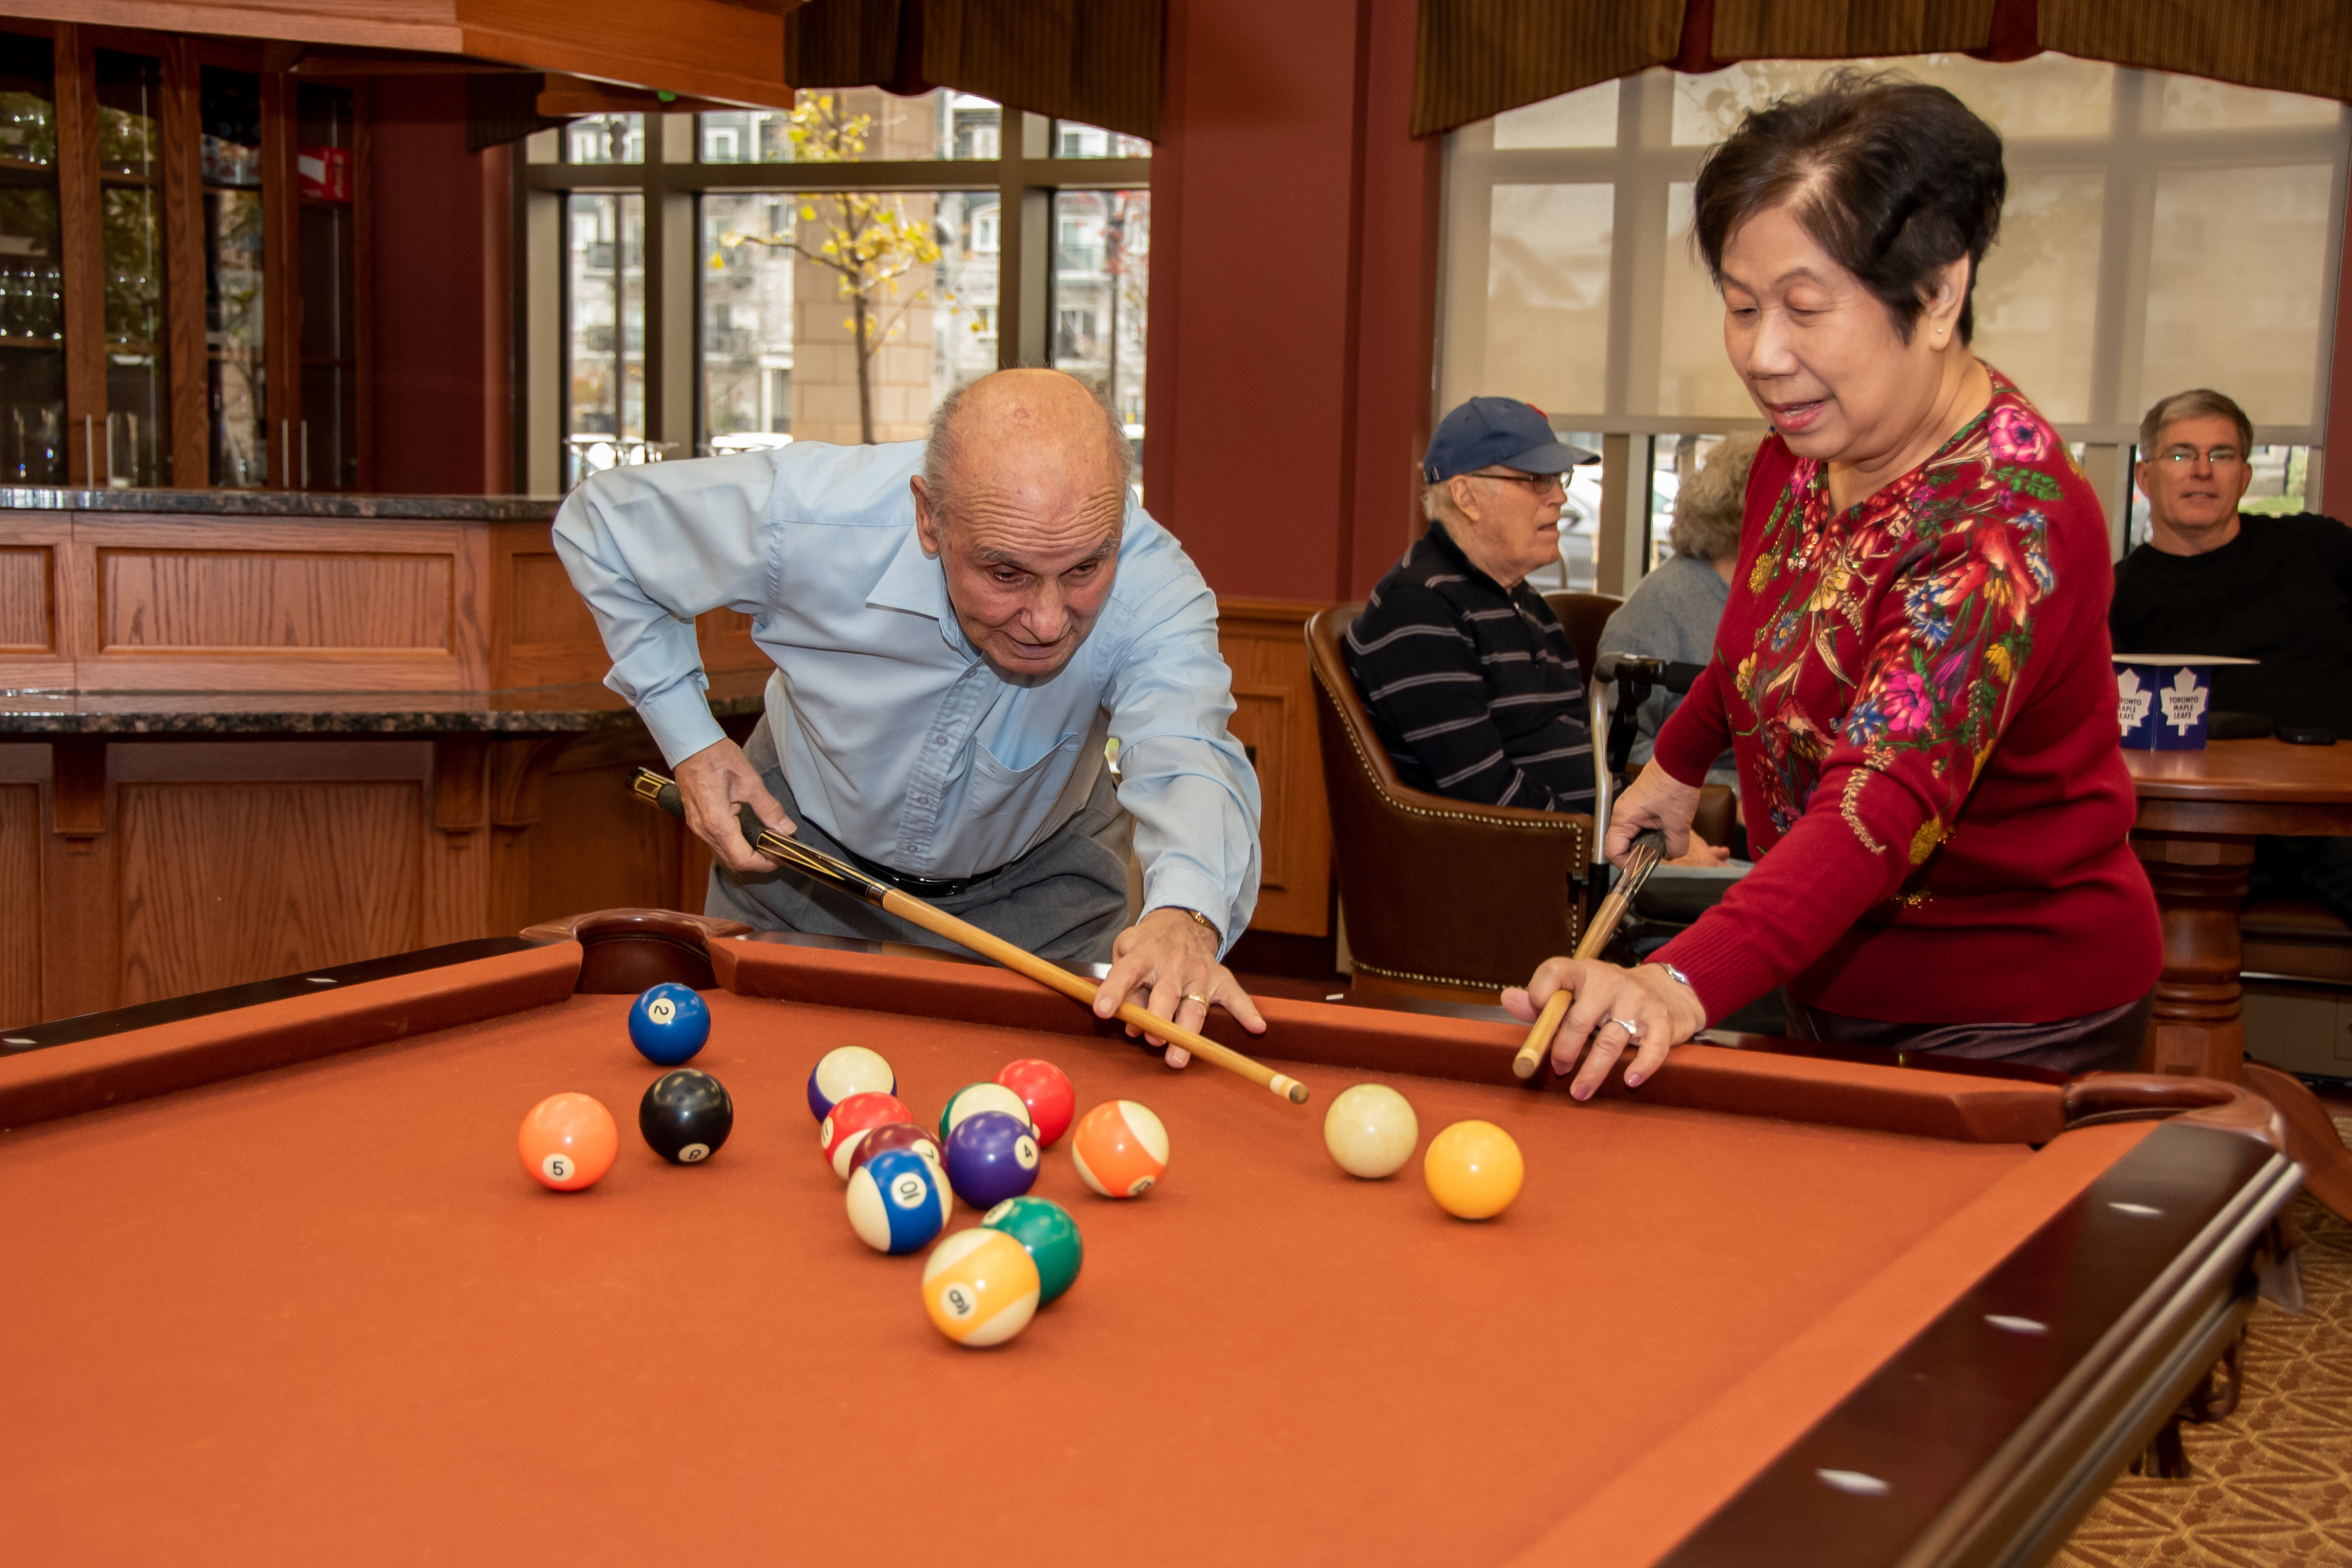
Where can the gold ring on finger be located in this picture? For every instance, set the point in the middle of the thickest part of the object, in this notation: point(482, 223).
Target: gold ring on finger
point(1196, 996)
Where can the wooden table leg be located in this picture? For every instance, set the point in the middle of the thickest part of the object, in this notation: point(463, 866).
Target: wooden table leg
point(2200, 881)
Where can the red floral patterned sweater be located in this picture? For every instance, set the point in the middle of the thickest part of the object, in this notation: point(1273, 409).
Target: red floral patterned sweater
point(1920, 699)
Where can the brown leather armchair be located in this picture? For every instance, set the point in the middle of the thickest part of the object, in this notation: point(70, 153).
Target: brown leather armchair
point(1441, 896)
point(1583, 616)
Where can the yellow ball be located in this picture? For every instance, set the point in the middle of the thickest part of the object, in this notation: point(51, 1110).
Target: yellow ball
point(1370, 1130)
point(980, 1287)
point(1474, 1170)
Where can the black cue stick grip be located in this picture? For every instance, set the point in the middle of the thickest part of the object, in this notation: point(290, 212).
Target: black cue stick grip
point(668, 798)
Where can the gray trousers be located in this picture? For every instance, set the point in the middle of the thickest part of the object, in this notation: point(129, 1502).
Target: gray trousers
point(1065, 901)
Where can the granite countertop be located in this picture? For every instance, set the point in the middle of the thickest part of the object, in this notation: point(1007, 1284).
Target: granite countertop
point(541, 709)
point(284, 503)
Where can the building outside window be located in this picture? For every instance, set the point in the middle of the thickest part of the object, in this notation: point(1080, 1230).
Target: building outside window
point(2161, 233)
point(732, 281)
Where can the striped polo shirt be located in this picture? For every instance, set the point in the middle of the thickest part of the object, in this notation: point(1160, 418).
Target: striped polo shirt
point(1473, 687)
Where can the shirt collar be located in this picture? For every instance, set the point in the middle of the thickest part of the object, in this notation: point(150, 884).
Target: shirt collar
point(917, 584)
point(1444, 543)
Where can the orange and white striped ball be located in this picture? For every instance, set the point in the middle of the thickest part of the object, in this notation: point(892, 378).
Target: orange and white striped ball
point(1120, 1149)
point(979, 1286)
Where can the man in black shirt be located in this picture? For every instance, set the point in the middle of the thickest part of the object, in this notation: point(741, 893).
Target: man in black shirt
point(2275, 589)
point(1471, 682)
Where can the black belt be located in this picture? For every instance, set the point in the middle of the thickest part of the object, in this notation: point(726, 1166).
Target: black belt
point(927, 887)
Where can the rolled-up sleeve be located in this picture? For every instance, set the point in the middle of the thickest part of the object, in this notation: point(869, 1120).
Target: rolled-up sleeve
point(1183, 777)
point(652, 548)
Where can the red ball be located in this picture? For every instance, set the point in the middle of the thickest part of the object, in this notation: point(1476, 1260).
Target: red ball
point(1046, 1089)
point(851, 1120)
point(898, 1135)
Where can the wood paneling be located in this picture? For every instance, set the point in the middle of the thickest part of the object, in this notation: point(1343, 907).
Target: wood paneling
point(596, 848)
point(230, 882)
point(544, 608)
point(1264, 644)
point(230, 600)
point(27, 618)
point(154, 604)
point(20, 895)
point(710, 47)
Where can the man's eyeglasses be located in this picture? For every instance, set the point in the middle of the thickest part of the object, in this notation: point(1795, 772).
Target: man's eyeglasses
point(1540, 484)
point(2220, 456)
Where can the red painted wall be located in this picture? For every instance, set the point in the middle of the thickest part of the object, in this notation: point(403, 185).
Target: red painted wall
point(441, 393)
point(1294, 247)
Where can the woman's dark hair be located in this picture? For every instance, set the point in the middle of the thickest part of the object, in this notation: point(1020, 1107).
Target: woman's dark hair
point(1894, 178)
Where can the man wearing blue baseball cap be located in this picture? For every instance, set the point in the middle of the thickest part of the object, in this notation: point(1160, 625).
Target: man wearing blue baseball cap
point(1471, 682)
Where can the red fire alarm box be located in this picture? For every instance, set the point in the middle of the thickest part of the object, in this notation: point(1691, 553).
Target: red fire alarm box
point(324, 174)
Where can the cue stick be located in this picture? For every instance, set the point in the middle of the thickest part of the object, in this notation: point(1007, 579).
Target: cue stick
point(651, 786)
point(1649, 849)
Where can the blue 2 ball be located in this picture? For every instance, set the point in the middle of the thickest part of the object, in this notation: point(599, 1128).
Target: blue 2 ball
point(668, 1023)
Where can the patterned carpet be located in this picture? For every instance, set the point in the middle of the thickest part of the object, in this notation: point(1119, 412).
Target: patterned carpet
point(2273, 1483)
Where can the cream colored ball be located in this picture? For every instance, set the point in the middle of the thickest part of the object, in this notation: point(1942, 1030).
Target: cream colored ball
point(1371, 1131)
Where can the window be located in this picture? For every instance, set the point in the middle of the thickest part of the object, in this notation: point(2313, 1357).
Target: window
point(32, 277)
point(1102, 282)
point(706, 305)
point(604, 276)
point(2161, 233)
point(230, 105)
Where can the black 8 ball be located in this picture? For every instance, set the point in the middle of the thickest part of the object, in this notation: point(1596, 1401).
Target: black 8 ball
point(685, 1115)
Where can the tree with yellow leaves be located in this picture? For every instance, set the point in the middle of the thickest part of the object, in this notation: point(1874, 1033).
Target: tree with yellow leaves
point(869, 243)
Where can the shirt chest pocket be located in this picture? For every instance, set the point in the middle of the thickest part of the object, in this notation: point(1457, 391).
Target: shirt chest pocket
point(998, 787)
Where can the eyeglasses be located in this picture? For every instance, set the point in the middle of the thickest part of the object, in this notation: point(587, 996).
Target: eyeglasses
point(2220, 456)
point(1540, 483)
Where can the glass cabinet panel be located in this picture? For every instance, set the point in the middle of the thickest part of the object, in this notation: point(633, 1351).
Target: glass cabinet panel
point(32, 275)
point(328, 458)
point(131, 246)
point(230, 110)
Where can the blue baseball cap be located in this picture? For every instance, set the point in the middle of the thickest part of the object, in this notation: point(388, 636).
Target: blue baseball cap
point(1502, 431)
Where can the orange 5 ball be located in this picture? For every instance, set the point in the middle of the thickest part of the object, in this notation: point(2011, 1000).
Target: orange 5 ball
point(568, 1142)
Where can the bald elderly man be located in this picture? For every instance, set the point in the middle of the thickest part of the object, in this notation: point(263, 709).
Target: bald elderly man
point(958, 625)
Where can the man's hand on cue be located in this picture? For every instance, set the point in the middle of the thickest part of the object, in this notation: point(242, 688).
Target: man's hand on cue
point(1657, 799)
point(712, 783)
point(1167, 963)
point(1663, 1011)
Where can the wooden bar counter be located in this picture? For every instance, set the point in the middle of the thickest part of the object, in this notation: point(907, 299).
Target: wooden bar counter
point(249, 734)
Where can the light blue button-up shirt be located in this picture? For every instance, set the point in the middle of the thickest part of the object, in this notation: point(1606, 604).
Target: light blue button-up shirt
point(897, 738)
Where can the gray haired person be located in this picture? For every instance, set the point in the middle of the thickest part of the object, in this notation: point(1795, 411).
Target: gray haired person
point(1672, 614)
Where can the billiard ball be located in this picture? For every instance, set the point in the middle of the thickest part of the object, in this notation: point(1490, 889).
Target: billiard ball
point(1119, 1148)
point(668, 1023)
point(845, 1071)
point(1370, 1130)
point(851, 1120)
point(898, 1135)
point(897, 1202)
point(685, 1115)
point(992, 1156)
point(568, 1142)
point(1474, 1170)
point(1046, 1089)
point(1046, 1229)
point(976, 1097)
point(980, 1287)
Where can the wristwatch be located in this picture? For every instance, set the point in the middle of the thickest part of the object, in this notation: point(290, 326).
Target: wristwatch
point(1206, 923)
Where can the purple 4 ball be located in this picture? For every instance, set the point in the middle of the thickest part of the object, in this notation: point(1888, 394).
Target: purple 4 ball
point(992, 1156)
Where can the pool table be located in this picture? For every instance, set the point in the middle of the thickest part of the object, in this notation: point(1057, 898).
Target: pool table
point(278, 1290)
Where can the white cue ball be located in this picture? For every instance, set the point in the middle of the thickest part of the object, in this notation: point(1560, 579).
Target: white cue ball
point(1370, 1130)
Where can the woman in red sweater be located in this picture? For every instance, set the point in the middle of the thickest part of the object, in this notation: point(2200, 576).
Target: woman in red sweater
point(1912, 669)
